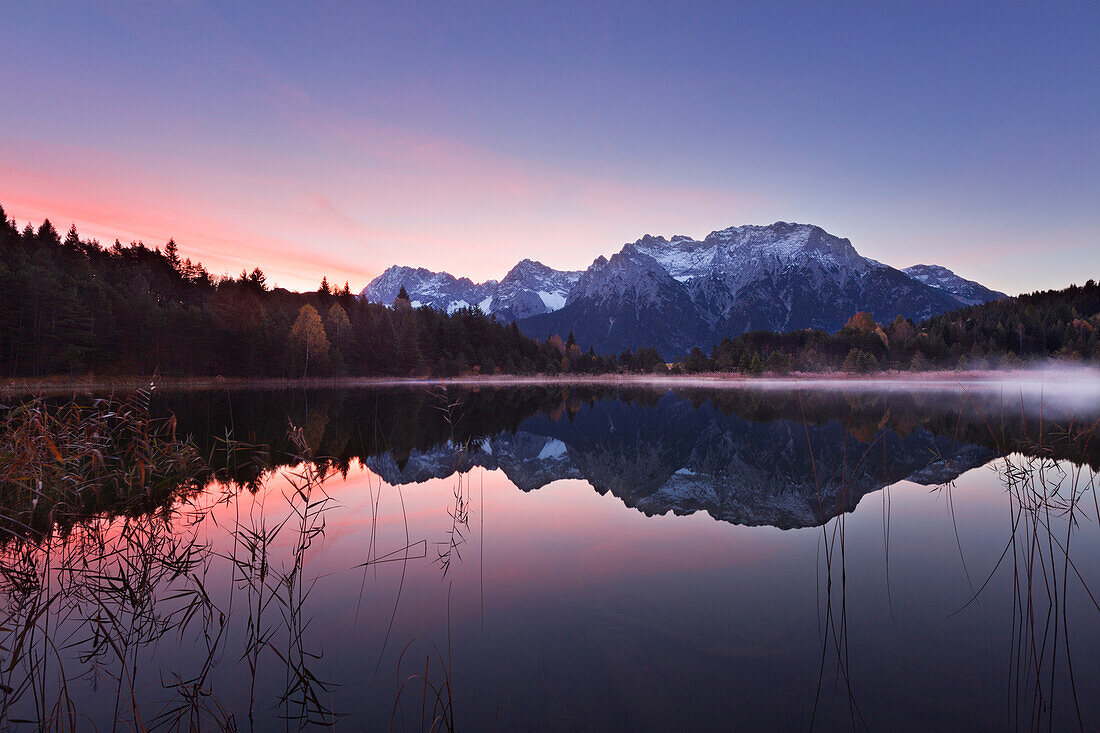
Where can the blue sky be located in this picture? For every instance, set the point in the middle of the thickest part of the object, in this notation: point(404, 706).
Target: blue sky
point(329, 138)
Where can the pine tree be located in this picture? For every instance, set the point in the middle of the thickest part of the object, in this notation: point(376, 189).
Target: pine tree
point(778, 363)
point(745, 365)
point(257, 280)
point(47, 234)
point(72, 239)
point(409, 358)
point(171, 253)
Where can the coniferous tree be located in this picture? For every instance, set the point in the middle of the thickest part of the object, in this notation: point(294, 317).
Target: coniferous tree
point(70, 306)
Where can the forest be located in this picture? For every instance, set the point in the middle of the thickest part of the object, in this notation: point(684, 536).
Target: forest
point(1002, 334)
point(71, 306)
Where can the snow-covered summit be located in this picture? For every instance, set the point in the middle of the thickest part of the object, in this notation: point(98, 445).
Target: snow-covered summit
point(676, 293)
point(742, 254)
point(439, 290)
point(528, 289)
point(531, 288)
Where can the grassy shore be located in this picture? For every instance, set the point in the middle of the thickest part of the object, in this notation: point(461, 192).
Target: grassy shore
point(104, 385)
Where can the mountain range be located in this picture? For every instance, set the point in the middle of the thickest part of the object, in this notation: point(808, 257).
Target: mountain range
point(677, 293)
point(674, 457)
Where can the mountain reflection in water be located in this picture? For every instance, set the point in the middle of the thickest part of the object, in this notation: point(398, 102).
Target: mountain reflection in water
point(786, 459)
point(401, 561)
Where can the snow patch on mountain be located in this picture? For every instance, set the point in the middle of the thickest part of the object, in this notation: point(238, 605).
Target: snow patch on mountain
point(554, 449)
point(553, 301)
point(529, 288)
point(676, 293)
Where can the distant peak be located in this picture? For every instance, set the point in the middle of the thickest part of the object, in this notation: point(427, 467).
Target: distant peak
point(778, 227)
point(650, 240)
point(529, 264)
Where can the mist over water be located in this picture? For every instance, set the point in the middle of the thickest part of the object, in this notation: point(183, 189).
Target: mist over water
point(1065, 388)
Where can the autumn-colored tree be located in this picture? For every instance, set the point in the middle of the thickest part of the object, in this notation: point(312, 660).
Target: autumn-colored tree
point(69, 306)
point(555, 342)
point(862, 322)
point(902, 330)
point(572, 354)
point(307, 337)
point(337, 324)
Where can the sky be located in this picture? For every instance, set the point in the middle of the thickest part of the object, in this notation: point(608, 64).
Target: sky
point(338, 139)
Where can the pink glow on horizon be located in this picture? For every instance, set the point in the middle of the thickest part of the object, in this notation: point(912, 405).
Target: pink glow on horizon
point(577, 527)
point(370, 197)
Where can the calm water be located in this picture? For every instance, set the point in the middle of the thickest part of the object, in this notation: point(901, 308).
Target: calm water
point(589, 559)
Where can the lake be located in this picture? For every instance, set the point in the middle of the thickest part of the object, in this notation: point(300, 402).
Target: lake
point(886, 556)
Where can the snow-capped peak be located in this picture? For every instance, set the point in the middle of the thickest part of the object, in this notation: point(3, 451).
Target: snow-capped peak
point(676, 293)
point(529, 288)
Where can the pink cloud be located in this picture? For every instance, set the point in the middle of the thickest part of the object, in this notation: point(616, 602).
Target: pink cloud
point(351, 198)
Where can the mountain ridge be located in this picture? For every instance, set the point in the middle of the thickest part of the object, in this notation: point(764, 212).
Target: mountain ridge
point(681, 292)
point(969, 292)
point(529, 288)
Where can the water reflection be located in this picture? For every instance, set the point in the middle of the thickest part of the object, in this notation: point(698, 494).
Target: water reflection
point(427, 591)
point(787, 460)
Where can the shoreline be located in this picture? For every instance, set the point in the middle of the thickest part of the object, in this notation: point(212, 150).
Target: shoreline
point(841, 380)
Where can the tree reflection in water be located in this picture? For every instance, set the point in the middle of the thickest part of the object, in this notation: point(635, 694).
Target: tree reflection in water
point(93, 589)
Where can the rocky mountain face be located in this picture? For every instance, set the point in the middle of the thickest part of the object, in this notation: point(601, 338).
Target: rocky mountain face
point(681, 459)
point(677, 293)
point(530, 288)
point(439, 290)
point(966, 291)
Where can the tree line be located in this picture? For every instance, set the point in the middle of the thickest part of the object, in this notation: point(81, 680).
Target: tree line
point(72, 306)
point(1059, 324)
